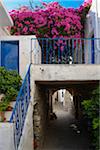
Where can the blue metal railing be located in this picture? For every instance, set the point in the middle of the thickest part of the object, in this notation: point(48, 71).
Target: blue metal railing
point(20, 109)
point(68, 51)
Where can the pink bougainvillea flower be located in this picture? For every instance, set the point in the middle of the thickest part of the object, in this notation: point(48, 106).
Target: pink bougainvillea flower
point(51, 21)
point(27, 22)
point(23, 9)
point(25, 29)
point(87, 2)
point(20, 25)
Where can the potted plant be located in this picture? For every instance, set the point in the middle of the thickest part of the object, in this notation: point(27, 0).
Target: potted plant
point(10, 83)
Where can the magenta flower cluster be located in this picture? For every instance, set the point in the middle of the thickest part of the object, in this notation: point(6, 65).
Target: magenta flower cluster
point(51, 21)
point(87, 2)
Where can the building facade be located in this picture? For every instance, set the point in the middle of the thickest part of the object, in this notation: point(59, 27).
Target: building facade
point(92, 30)
point(20, 52)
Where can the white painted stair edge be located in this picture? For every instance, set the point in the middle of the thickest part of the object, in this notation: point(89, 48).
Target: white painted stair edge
point(6, 136)
point(26, 142)
point(7, 132)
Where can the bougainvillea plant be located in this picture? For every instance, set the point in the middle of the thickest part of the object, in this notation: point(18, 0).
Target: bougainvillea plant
point(51, 21)
point(83, 11)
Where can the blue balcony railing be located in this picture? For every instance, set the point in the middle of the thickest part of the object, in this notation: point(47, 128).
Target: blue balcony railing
point(68, 51)
point(20, 109)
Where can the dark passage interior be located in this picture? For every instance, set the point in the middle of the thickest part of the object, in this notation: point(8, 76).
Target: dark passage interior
point(58, 118)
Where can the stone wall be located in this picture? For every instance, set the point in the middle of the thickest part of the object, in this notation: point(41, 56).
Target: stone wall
point(40, 115)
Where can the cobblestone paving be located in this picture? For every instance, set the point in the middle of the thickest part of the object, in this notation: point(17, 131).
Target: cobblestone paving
point(61, 136)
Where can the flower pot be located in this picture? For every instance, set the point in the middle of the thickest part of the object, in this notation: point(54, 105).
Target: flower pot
point(9, 108)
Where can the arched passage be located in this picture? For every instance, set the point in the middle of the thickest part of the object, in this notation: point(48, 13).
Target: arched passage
point(43, 126)
point(63, 99)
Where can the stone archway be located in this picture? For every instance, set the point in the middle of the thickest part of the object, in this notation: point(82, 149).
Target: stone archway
point(43, 98)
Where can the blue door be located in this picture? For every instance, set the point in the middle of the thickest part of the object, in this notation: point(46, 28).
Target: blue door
point(10, 55)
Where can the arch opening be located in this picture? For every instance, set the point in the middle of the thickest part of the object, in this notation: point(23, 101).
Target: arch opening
point(57, 115)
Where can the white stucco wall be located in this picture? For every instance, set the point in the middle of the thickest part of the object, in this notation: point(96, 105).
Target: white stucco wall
point(60, 95)
point(26, 142)
point(93, 20)
point(56, 72)
point(68, 102)
point(3, 31)
point(5, 19)
point(92, 27)
point(36, 51)
point(6, 136)
point(29, 51)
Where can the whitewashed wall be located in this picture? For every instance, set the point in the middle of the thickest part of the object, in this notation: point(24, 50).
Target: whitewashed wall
point(68, 101)
point(26, 142)
point(92, 27)
point(5, 19)
point(3, 31)
point(6, 136)
point(65, 72)
point(60, 95)
point(93, 20)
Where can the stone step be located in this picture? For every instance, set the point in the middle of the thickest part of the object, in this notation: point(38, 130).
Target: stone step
point(8, 115)
point(12, 104)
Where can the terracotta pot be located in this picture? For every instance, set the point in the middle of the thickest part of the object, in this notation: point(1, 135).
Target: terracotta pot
point(9, 108)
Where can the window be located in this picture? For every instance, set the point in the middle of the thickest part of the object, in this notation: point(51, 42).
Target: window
point(10, 55)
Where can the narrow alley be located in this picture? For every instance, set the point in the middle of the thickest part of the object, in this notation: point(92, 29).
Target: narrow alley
point(59, 121)
point(63, 133)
